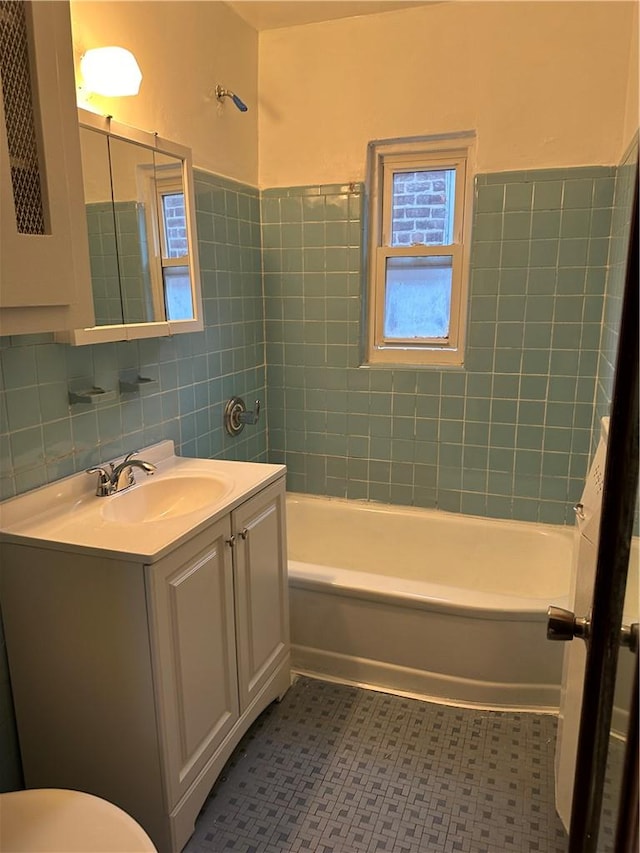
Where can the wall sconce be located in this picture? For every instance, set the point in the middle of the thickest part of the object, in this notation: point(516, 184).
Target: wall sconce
point(110, 71)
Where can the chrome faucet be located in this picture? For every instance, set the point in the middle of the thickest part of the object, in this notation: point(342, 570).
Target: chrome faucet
point(117, 478)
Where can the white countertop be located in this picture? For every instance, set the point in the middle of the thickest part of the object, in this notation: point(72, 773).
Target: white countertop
point(67, 515)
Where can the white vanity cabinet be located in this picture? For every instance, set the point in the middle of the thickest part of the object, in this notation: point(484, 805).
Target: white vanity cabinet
point(219, 621)
point(134, 679)
point(193, 649)
point(262, 608)
point(44, 263)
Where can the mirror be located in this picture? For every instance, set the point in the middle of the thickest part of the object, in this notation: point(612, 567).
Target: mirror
point(141, 230)
point(131, 168)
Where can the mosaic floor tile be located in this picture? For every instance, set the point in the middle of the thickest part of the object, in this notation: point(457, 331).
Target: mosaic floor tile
point(338, 769)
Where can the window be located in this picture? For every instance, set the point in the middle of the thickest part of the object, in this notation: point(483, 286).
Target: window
point(164, 214)
point(419, 212)
point(175, 249)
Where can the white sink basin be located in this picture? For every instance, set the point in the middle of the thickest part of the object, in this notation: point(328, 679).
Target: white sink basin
point(143, 522)
point(156, 500)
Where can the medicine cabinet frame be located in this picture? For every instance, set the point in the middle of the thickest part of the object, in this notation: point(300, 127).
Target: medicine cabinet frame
point(154, 328)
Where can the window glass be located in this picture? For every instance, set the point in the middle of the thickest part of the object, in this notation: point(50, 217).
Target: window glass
point(422, 208)
point(417, 297)
point(177, 293)
point(175, 225)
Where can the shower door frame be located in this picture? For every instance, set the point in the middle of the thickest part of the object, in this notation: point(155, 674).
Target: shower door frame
point(616, 528)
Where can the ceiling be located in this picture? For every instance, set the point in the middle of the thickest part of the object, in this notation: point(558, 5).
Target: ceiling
point(270, 15)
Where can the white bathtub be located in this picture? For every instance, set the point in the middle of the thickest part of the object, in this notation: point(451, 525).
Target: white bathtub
point(432, 604)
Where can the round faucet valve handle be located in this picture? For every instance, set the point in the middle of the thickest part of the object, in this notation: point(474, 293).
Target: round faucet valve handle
point(236, 415)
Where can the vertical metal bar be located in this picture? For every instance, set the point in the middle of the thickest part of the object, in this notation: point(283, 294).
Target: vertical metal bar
point(627, 823)
point(616, 527)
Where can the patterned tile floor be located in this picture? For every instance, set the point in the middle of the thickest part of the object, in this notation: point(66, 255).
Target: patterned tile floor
point(338, 769)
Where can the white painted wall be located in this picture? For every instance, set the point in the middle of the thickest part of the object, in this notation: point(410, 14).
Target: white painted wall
point(183, 49)
point(632, 117)
point(544, 84)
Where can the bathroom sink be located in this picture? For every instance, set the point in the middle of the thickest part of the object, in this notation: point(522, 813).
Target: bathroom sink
point(144, 521)
point(164, 499)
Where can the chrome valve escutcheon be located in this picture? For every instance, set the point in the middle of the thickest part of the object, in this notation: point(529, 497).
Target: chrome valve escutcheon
point(236, 415)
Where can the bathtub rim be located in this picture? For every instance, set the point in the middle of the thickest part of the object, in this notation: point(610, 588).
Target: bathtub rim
point(304, 572)
point(421, 594)
point(564, 530)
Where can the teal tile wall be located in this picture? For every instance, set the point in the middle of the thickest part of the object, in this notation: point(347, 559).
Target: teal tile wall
point(103, 254)
point(509, 435)
point(626, 179)
point(43, 438)
point(119, 258)
point(133, 262)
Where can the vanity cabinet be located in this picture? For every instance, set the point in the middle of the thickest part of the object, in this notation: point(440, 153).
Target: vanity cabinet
point(261, 602)
point(133, 679)
point(44, 264)
point(219, 622)
point(193, 650)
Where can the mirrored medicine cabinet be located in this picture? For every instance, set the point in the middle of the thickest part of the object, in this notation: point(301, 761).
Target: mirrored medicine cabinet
point(140, 210)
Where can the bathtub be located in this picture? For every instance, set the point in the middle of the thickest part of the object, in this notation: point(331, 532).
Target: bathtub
point(426, 603)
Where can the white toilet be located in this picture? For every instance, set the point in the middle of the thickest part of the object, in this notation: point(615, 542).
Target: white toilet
point(51, 820)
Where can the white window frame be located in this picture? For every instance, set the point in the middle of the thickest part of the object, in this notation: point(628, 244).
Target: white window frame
point(386, 158)
point(154, 182)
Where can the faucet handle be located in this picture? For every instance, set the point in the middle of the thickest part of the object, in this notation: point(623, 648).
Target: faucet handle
point(99, 469)
point(103, 486)
point(130, 456)
point(248, 417)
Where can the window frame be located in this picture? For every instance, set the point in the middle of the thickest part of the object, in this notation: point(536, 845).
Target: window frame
point(155, 182)
point(385, 159)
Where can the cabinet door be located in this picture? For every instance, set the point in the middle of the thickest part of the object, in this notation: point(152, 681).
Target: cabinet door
point(262, 604)
point(194, 657)
point(44, 266)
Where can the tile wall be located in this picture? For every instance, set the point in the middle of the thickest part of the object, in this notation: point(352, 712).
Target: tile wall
point(43, 438)
point(626, 180)
point(119, 262)
point(508, 435)
point(103, 254)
